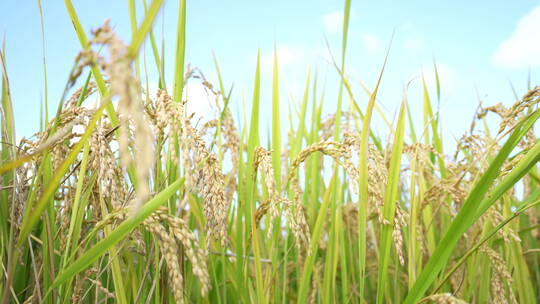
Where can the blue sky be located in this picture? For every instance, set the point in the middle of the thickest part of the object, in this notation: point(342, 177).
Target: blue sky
point(479, 46)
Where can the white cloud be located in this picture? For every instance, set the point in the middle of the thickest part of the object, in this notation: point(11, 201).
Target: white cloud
point(372, 43)
point(448, 78)
point(414, 43)
point(411, 38)
point(287, 55)
point(522, 48)
point(333, 22)
point(199, 101)
point(293, 62)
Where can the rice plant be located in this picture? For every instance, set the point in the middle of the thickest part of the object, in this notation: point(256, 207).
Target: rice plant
point(134, 201)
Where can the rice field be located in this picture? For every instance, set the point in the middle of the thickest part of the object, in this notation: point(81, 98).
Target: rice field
point(130, 200)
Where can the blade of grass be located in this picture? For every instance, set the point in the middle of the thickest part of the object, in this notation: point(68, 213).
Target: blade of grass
point(259, 283)
point(391, 198)
point(298, 139)
point(364, 180)
point(180, 52)
point(45, 82)
point(276, 129)
point(133, 26)
point(146, 25)
point(316, 236)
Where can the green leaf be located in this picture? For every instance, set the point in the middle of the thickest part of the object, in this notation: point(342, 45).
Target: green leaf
point(364, 180)
point(180, 52)
point(391, 198)
point(276, 129)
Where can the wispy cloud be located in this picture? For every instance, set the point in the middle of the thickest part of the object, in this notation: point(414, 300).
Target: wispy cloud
point(288, 55)
point(448, 77)
point(522, 48)
point(372, 43)
point(333, 21)
point(293, 61)
point(200, 101)
point(414, 43)
point(410, 37)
